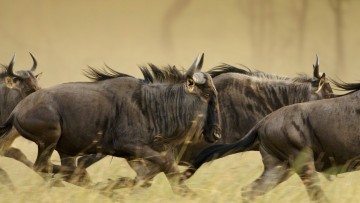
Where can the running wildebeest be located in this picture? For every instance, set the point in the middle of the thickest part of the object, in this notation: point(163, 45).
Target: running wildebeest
point(14, 86)
point(246, 97)
point(120, 116)
point(303, 138)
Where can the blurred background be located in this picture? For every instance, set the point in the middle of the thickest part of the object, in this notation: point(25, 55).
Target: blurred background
point(277, 36)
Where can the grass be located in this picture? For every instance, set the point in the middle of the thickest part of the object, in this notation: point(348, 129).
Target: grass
point(219, 181)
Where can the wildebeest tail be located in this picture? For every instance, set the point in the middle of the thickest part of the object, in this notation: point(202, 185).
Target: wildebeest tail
point(88, 160)
point(6, 127)
point(222, 150)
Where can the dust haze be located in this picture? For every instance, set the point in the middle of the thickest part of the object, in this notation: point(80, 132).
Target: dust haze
point(277, 36)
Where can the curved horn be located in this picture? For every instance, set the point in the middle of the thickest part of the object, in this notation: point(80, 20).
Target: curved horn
point(200, 63)
point(10, 70)
point(199, 78)
point(33, 68)
point(195, 66)
point(316, 68)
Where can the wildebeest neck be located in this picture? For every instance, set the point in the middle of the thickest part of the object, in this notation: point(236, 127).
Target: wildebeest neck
point(172, 112)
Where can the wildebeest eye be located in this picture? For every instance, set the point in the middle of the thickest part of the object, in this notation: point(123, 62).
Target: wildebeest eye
point(206, 95)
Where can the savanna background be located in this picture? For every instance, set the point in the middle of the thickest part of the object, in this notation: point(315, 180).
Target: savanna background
point(276, 36)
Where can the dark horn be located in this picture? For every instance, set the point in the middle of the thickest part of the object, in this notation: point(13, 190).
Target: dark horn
point(193, 67)
point(10, 70)
point(33, 68)
point(316, 68)
point(200, 63)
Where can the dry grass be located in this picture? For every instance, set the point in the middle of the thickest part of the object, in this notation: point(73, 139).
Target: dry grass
point(220, 181)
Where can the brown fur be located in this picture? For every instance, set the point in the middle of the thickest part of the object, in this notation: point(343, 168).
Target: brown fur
point(120, 116)
point(293, 137)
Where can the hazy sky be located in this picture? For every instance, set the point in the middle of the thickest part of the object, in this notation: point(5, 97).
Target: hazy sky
point(277, 36)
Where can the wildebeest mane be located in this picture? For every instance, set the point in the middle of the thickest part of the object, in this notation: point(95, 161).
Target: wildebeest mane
point(168, 74)
point(226, 68)
point(103, 74)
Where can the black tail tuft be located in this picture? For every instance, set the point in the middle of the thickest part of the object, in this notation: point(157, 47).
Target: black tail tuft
point(88, 160)
point(6, 127)
point(222, 150)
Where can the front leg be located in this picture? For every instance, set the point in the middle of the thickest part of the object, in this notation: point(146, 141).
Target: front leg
point(175, 177)
point(164, 162)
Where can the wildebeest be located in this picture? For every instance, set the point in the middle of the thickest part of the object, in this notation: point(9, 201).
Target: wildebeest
point(245, 97)
point(120, 116)
point(303, 138)
point(14, 86)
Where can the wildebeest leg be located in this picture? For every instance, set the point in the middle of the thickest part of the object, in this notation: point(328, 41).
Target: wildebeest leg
point(145, 172)
point(46, 137)
point(11, 152)
point(4, 179)
point(175, 177)
point(306, 170)
point(42, 161)
point(166, 163)
point(78, 175)
point(275, 172)
point(18, 155)
point(42, 165)
point(71, 173)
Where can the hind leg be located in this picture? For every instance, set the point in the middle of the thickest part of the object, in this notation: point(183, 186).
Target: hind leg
point(275, 172)
point(42, 163)
point(70, 173)
point(305, 168)
point(11, 152)
point(46, 138)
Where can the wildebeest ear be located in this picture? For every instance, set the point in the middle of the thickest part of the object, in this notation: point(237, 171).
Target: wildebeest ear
point(321, 82)
point(9, 82)
point(190, 84)
point(196, 66)
point(38, 76)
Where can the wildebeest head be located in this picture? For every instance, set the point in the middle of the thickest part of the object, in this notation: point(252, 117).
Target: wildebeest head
point(201, 84)
point(320, 84)
point(23, 81)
